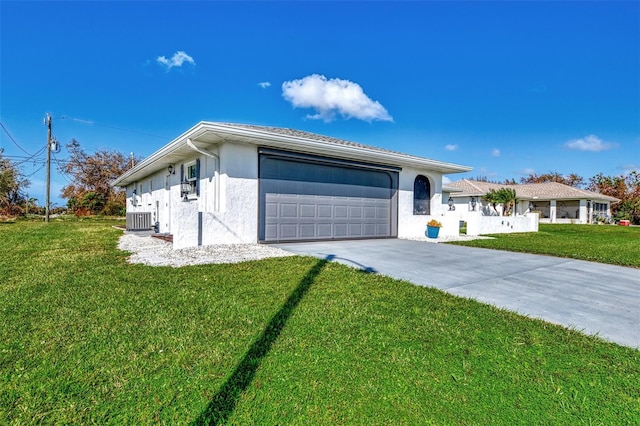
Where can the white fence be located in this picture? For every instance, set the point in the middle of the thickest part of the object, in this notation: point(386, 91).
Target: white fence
point(480, 225)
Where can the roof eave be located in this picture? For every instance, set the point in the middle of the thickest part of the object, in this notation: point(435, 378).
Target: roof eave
point(290, 142)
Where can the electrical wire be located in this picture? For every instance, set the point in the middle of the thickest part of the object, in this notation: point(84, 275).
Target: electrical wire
point(33, 173)
point(28, 159)
point(65, 117)
point(12, 139)
point(61, 169)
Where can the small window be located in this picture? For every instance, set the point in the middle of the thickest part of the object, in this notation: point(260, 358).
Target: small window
point(421, 196)
point(192, 177)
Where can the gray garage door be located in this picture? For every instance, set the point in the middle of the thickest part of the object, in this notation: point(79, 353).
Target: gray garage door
point(313, 198)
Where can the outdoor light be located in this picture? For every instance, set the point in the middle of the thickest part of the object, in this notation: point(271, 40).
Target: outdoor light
point(451, 206)
point(170, 169)
point(531, 206)
point(185, 188)
point(474, 201)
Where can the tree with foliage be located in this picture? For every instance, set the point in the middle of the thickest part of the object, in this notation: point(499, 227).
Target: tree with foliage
point(504, 196)
point(571, 179)
point(12, 187)
point(91, 191)
point(624, 187)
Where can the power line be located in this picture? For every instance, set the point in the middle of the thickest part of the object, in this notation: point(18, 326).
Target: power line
point(27, 159)
point(33, 173)
point(65, 117)
point(12, 139)
point(61, 170)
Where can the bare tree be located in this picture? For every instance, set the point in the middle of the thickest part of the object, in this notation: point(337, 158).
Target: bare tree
point(91, 191)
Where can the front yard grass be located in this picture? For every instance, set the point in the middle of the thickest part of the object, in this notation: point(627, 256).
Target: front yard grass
point(616, 245)
point(87, 338)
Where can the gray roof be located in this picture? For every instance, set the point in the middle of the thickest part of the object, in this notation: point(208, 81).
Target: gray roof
point(307, 135)
point(530, 191)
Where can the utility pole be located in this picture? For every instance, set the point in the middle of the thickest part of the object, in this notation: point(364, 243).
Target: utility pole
point(47, 122)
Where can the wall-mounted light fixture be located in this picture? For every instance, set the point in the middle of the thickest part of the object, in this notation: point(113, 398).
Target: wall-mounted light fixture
point(450, 203)
point(474, 201)
point(531, 206)
point(185, 189)
point(171, 170)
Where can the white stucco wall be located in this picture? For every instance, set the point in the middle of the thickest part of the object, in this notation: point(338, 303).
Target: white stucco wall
point(481, 225)
point(410, 225)
point(151, 196)
point(226, 212)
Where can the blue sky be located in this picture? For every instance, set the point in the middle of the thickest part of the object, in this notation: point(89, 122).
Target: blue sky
point(508, 88)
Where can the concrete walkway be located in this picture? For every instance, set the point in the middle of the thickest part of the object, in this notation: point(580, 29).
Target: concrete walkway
point(590, 297)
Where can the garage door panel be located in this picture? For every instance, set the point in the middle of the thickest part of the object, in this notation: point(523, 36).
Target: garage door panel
point(369, 212)
point(271, 209)
point(324, 210)
point(289, 231)
point(307, 230)
point(355, 230)
point(340, 211)
point(382, 213)
point(355, 212)
point(306, 201)
point(324, 230)
point(289, 210)
point(271, 231)
point(340, 230)
point(308, 210)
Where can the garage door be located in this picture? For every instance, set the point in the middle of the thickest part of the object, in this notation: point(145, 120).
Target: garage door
point(315, 198)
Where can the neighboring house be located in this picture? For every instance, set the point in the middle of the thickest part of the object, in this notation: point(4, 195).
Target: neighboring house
point(554, 202)
point(224, 183)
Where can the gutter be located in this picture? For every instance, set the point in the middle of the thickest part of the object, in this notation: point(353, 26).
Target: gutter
point(216, 171)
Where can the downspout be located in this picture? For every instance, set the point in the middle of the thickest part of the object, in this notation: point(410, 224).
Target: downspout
point(216, 185)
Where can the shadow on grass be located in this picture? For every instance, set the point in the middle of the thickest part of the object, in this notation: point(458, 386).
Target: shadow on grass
point(224, 402)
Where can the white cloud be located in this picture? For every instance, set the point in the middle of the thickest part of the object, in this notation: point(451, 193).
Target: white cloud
point(589, 143)
point(495, 152)
point(176, 60)
point(451, 147)
point(446, 180)
point(333, 96)
point(527, 172)
point(264, 84)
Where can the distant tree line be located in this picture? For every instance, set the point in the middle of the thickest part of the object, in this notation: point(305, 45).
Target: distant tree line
point(89, 193)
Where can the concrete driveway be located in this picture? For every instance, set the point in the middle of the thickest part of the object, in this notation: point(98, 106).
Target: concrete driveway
point(590, 297)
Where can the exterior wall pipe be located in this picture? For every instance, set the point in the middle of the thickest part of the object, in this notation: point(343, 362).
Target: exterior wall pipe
point(216, 185)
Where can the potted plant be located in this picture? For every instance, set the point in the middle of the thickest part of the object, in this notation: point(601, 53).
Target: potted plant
point(433, 228)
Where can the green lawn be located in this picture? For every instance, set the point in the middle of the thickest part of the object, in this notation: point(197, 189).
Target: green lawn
point(87, 338)
point(617, 245)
